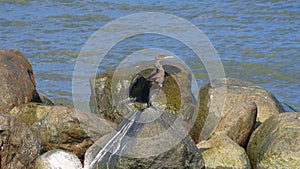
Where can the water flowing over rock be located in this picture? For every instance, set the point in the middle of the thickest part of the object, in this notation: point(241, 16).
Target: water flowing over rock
point(62, 127)
point(19, 146)
point(17, 80)
point(216, 99)
point(275, 144)
point(58, 159)
point(150, 138)
point(111, 89)
point(222, 152)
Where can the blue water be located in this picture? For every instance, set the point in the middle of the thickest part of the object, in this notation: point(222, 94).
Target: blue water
point(257, 42)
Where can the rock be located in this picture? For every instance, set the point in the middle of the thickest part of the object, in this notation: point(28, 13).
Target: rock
point(17, 81)
point(222, 152)
point(19, 146)
point(275, 143)
point(30, 113)
point(61, 127)
point(58, 159)
point(45, 100)
point(110, 91)
point(239, 122)
point(217, 99)
point(149, 139)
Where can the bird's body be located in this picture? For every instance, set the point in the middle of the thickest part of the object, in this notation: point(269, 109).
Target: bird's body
point(158, 75)
point(157, 78)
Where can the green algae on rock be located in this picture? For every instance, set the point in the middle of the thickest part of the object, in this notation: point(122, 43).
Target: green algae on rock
point(275, 143)
point(222, 152)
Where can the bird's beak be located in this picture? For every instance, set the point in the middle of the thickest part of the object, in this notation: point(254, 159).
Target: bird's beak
point(166, 57)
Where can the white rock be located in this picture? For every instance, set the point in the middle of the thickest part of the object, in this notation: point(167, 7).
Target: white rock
point(58, 159)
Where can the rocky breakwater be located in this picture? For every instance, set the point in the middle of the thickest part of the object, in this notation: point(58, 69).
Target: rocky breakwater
point(234, 124)
point(228, 111)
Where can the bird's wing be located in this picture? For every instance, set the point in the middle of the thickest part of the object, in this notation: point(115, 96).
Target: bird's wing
point(138, 89)
point(171, 70)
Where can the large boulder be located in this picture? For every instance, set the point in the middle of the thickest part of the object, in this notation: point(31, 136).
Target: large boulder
point(17, 80)
point(149, 138)
point(275, 144)
point(216, 99)
point(62, 127)
point(222, 152)
point(238, 123)
point(110, 91)
point(19, 146)
point(58, 159)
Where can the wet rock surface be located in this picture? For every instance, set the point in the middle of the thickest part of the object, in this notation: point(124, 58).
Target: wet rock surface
point(216, 99)
point(275, 144)
point(19, 146)
point(162, 142)
point(58, 159)
point(222, 152)
point(17, 80)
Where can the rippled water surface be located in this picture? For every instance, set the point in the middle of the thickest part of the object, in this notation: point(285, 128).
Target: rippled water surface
point(257, 42)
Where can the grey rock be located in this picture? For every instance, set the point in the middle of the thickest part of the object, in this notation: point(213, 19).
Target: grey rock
point(155, 139)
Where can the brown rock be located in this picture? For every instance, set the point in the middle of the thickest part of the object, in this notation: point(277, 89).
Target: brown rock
point(216, 99)
point(17, 81)
point(275, 143)
point(64, 128)
point(19, 146)
point(61, 127)
point(239, 122)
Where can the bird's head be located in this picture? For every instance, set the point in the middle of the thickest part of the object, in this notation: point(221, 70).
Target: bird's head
point(163, 57)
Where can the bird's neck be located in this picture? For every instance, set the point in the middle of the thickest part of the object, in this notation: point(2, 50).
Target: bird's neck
point(158, 66)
